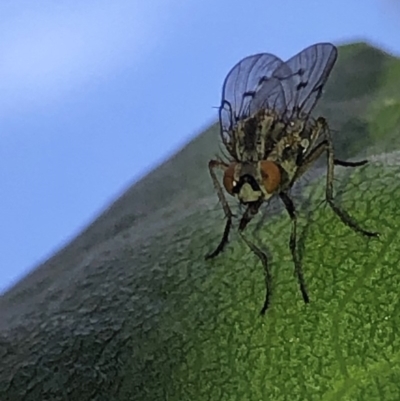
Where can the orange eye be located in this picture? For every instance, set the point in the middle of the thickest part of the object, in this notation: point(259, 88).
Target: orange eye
point(271, 176)
point(228, 180)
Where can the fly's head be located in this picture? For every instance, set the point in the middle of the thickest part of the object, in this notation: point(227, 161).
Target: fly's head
point(252, 182)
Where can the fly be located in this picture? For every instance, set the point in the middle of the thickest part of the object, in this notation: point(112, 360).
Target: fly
point(272, 140)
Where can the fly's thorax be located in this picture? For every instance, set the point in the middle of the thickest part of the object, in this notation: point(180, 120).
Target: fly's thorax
point(289, 153)
point(275, 134)
point(252, 182)
point(266, 122)
point(252, 136)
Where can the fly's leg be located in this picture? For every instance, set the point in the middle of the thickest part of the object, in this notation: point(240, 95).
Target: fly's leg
point(250, 212)
point(212, 165)
point(338, 162)
point(267, 274)
point(289, 205)
point(223, 242)
point(341, 213)
point(327, 146)
point(316, 153)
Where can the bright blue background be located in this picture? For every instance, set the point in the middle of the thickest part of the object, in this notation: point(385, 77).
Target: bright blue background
point(93, 94)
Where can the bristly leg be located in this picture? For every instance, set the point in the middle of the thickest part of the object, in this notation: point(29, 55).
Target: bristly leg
point(267, 274)
point(223, 241)
point(289, 205)
point(341, 213)
point(327, 146)
point(212, 164)
point(338, 162)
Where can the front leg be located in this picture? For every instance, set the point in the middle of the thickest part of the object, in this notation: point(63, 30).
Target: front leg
point(212, 165)
point(289, 205)
point(251, 210)
point(267, 274)
point(248, 215)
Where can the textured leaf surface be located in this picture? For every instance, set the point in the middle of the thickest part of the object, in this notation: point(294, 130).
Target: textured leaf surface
point(344, 343)
point(131, 311)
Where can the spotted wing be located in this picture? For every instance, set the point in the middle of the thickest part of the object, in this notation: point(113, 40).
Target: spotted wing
point(304, 76)
point(240, 88)
point(270, 95)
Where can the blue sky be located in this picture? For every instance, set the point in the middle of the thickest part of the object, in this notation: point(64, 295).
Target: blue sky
point(94, 94)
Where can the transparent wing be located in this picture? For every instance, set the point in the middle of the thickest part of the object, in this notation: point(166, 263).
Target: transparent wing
point(304, 76)
point(241, 85)
point(270, 95)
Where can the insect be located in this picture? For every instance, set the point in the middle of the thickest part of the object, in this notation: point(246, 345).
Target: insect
point(272, 140)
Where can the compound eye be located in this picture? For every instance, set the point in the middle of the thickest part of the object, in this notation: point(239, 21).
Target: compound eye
point(271, 176)
point(229, 180)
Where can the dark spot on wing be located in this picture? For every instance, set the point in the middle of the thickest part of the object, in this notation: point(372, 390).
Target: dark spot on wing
point(301, 85)
point(249, 94)
point(301, 71)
